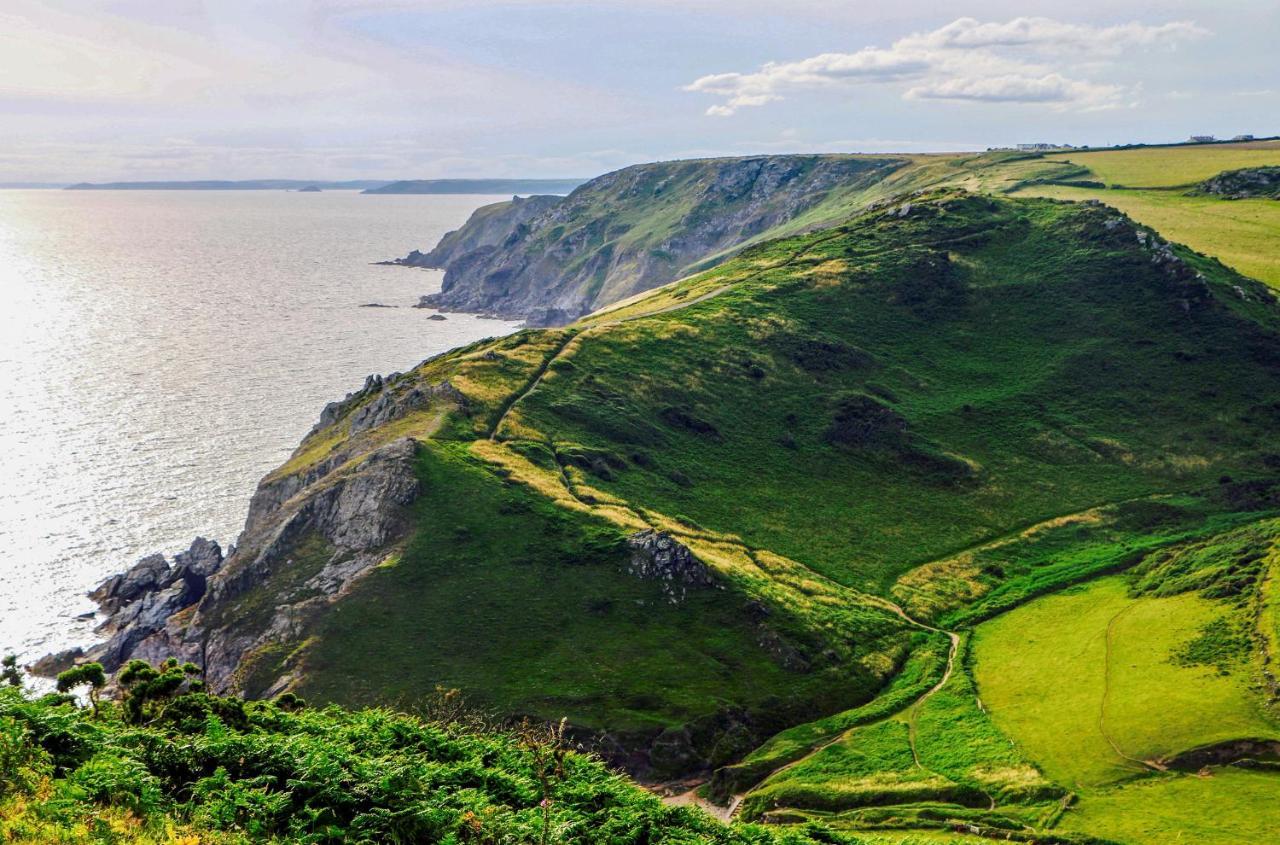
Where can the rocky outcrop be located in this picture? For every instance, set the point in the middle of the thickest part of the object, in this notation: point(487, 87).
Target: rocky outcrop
point(137, 603)
point(549, 260)
point(381, 400)
point(490, 225)
point(1247, 183)
point(307, 539)
point(657, 556)
point(1230, 752)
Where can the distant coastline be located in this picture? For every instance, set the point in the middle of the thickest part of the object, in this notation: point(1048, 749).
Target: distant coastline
point(478, 186)
point(367, 186)
point(229, 185)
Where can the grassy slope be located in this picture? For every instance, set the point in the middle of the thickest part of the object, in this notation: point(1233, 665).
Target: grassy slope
point(942, 749)
point(1242, 233)
point(1228, 807)
point(528, 608)
point(1055, 411)
point(1094, 680)
point(1043, 671)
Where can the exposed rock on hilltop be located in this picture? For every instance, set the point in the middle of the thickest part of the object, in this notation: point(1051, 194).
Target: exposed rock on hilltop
point(661, 557)
point(1246, 183)
point(550, 260)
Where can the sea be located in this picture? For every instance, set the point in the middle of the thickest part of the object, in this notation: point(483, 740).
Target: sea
point(161, 351)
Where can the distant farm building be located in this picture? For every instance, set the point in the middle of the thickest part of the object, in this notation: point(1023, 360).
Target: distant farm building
point(1041, 147)
point(1243, 138)
point(1202, 139)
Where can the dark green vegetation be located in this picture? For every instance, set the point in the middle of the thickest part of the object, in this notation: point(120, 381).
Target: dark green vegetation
point(531, 610)
point(187, 768)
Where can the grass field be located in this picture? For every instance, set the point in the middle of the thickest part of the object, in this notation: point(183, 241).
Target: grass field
point(1244, 234)
point(937, 757)
point(1227, 807)
point(1057, 673)
point(1156, 167)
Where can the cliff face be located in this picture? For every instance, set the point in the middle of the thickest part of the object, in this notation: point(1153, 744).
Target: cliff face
point(549, 260)
point(488, 226)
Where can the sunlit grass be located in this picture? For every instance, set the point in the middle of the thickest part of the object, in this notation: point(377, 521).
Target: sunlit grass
point(1177, 165)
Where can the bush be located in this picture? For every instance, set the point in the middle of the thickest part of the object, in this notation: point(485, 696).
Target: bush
point(287, 773)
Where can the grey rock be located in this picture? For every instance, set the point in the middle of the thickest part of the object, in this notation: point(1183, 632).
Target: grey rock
point(657, 556)
point(1246, 183)
point(140, 601)
point(119, 590)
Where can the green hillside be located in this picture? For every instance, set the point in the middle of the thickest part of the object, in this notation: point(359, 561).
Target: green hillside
point(933, 510)
point(867, 440)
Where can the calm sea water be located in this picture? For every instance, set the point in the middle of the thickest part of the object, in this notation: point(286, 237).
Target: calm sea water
point(161, 351)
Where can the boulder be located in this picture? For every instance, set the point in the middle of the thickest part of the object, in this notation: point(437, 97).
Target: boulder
point(124, 588)
point(657, 556)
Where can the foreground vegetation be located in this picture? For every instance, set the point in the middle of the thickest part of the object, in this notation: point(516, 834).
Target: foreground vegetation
point(192, 768)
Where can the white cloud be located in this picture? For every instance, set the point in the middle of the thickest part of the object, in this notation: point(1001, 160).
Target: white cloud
point(966, 60)
point(967, 33)
point(1051, 88)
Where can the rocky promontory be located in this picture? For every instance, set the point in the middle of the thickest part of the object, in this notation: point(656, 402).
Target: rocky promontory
point(549, 260)
point(138, 602)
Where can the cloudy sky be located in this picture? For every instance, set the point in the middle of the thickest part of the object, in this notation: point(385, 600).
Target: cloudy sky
point(349, 89)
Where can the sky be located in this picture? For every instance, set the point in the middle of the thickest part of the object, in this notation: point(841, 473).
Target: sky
point(101, 90)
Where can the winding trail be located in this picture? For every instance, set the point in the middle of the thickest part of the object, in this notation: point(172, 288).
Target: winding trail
point(531, 385)
point(726, 813)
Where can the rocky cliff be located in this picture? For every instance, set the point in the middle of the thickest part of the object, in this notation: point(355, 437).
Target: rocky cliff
point(549, 260)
